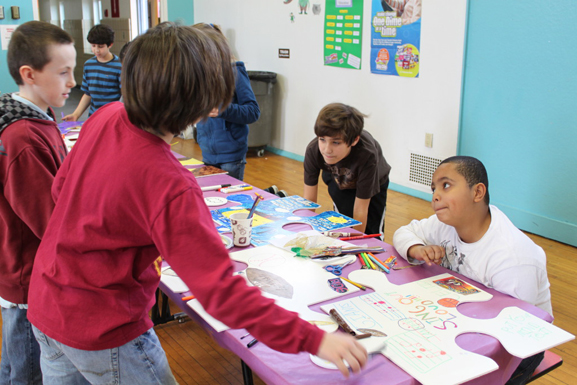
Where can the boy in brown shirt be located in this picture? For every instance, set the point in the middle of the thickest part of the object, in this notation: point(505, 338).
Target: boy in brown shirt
point(352, 165)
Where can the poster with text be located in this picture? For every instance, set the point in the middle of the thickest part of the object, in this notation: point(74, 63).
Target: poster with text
point(396, 37)
point(343, 33)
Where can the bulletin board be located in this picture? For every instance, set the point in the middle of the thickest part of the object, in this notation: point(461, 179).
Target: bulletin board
point(343, 33)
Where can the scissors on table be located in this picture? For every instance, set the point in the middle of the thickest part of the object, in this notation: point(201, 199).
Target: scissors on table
point(336, 269)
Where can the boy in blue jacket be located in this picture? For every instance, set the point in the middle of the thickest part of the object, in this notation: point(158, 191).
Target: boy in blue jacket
point(223, 137)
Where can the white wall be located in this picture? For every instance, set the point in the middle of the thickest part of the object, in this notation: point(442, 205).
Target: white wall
point(401, 110)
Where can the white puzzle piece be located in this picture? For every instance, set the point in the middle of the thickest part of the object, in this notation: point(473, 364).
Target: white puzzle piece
point(307, 280)
point(294, 283)
point(419, 322)
point(172, 281)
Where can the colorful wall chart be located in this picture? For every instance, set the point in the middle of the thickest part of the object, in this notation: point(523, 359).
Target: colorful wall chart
point(343, 33)
point(418, 322)
point(396, 37)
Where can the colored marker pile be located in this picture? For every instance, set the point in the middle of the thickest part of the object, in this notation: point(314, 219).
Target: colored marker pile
point(369, 261)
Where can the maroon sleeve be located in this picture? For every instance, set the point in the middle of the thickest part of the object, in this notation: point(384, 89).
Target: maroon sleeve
point(207, 271)
point(28, 184)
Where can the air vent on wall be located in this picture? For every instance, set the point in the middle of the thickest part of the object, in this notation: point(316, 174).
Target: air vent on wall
point(422, 169)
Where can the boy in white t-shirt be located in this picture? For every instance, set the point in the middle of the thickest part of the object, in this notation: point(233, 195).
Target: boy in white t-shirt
point(473, 238)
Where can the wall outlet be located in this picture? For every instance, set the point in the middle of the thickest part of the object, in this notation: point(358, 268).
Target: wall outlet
point(428, 140)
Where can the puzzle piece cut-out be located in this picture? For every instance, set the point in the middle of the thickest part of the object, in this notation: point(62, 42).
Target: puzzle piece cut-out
point(421, 321)
point(307, 279)
point(276, 214)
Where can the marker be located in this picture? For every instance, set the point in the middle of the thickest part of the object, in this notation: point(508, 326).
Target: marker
point(336, 234)
point(361, 237)
point(378, 263)
point(363, 263)
point(251, 343)
point(253, 208)
point(62, 114)
point(354, 283)
point(187, 298)
point(214, 188)
point(246, 335)
point(235, 189)
point(370, 263)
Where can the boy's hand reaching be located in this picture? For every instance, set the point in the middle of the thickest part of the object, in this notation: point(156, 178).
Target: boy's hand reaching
point(70, 118)
point(336, 347)
point(429, 254)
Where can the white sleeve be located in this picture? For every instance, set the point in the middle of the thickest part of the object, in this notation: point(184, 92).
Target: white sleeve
point(521, 281)
point(415, 233)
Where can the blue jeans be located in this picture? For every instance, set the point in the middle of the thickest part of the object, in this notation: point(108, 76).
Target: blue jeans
point(140, 361)
point(235, 169)
point(20, 351)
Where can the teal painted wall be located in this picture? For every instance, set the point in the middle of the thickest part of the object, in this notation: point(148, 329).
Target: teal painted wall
point(26, 14)
point(181, 11)
point(519, 109)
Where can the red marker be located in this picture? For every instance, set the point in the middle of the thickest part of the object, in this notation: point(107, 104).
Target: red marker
point(360, 237)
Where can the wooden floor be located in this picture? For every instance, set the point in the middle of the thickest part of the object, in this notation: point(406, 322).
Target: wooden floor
point(196, 359)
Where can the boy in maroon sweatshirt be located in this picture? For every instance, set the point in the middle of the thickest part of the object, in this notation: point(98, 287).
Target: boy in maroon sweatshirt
point(41, 59)
point(123, 199)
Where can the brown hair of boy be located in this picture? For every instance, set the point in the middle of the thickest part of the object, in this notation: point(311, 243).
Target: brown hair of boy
point(29, 46)
point(215, 32)
point(173, 76)
point(340, 120)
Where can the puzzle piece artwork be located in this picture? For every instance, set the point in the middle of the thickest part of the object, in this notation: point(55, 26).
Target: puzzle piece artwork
point(272, 215)
point(294, 283)
point(418, 323)
point(272, 209)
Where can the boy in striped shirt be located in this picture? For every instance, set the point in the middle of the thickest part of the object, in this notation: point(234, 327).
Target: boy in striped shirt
point(101, 76)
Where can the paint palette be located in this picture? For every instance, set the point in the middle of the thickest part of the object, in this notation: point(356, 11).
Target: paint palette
point(419, 321)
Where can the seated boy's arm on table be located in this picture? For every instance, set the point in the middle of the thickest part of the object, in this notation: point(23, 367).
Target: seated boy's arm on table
point(82, 106)
point(521, 282)
point(414, 242)
point(361, 213)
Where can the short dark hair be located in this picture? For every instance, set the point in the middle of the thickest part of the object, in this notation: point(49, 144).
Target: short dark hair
point(472, 170)
point(29, 46)
point(174, 75)
point(338, 119)
point(123, 51)
point(101, 34)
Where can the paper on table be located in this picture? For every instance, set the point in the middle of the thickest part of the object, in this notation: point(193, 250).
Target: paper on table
point(172, 281)
point(190, 162)
point(213, 322)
